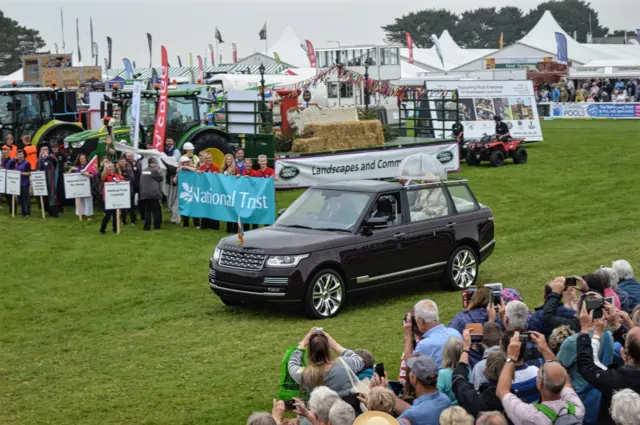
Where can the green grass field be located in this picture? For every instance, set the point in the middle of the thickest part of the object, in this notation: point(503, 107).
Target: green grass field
point(124, 329)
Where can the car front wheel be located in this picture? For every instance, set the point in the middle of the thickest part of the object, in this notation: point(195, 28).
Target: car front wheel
point(325, 296)
point(462, 269)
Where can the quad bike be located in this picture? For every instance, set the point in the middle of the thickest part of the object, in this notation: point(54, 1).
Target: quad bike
point(488, 148)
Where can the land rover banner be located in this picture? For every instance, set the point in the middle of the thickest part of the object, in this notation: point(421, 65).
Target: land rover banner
point(479, 101)
point(307, 171)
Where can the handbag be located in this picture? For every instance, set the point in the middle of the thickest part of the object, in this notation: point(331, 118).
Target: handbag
point(357, 386)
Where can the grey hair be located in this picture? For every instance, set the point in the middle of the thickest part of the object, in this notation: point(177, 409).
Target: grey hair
point(624, 269)
point(491, 418)
point(321, 400)
point(451, 352)
point(262, 156)
point(548, 383)
point(609, 276)
point(341, 414)
point(261, 418)
point(625, 407)
point(517, 313)
point(427, 310)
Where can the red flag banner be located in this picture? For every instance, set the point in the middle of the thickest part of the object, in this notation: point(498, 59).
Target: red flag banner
point(311, 53)
point(161, 117)
point(235, 53)
point(200, 68)
point(410, 47)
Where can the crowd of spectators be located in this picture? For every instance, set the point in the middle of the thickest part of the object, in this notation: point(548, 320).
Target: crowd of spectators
point(573, 360)
point(151, 186)
point(591, 90)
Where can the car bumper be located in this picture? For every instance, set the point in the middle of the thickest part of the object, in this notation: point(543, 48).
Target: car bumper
point(266, 285)
point(487, 250)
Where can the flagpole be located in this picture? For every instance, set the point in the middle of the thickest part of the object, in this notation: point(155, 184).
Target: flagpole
point(266, 39)
point(217, 52)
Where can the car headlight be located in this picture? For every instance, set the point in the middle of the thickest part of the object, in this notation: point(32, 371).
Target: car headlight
point(285, 260)
point(77, 145)
point(216, 255)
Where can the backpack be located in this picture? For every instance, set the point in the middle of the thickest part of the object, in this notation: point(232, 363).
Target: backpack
point(565, 417)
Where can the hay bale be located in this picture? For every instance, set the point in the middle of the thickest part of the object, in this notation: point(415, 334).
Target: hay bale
point(311, 144)
point(340, 136)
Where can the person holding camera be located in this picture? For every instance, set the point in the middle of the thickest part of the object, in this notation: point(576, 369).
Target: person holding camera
point(321, 369)
point(434, 334)
point(491, 337)
point(551, 304)
point(610, 380)
point(567, 310)
point(476, 400)
point(429, 402)
point(557, 398)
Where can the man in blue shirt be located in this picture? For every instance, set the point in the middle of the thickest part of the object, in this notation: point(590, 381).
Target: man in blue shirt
point(434, 334)
point(429, 402)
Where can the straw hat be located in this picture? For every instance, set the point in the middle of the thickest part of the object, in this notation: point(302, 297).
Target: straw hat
point(375, 418)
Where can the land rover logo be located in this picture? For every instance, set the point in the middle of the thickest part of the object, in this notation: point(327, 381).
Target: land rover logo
point(444, 157)
point(287, 173)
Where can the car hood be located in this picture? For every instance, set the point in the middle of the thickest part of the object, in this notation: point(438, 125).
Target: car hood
point(276, 240)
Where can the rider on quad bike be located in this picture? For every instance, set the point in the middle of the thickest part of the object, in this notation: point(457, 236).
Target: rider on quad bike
point(502, 129)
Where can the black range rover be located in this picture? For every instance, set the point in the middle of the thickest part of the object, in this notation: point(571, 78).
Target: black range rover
point(342, 238)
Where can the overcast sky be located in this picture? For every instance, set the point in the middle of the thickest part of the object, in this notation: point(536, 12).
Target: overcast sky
point(188, 26)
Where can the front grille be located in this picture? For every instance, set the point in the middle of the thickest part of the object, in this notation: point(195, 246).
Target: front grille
point(241, 260)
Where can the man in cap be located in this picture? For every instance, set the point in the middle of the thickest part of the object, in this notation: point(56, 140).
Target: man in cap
point(151, 194)
point(188, 149)
point(502, 129)
point(429, 402)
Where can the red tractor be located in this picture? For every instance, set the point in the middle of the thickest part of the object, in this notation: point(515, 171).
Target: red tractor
point(488, 148)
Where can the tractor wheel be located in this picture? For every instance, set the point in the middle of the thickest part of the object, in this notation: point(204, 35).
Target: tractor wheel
point(471, 159)
point(214, 144)
point(520, 156)
point(497, 158)
point(57, 135)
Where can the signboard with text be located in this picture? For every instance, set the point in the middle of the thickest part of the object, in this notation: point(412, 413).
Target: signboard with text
point(76, 186)
point(117, 196)
point(39, 183)
point(13, 182)
point(3, 178)
point(596, 110)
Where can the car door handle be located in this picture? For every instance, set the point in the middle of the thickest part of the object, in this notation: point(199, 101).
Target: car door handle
point(451, 224)
point(399, 236)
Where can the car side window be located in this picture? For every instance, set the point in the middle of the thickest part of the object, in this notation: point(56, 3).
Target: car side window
point(388, 206)
point(462, 199)
point(427, 203)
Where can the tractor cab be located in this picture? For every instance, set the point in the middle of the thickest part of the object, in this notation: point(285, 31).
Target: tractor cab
point(36, 112)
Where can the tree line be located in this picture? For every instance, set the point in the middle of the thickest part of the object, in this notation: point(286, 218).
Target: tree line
point(481, 28)
point(15, 41)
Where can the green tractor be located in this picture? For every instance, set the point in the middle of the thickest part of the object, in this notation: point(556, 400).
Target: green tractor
point(183, 124)
point(45, 114)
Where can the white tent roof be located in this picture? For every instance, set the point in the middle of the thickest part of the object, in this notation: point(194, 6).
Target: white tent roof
point(543, 37)
point(289, 48)
point(16, 76)
point(626, 63)
point(622, 51)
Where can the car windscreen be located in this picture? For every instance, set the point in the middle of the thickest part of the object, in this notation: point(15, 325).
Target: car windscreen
point(325, 209)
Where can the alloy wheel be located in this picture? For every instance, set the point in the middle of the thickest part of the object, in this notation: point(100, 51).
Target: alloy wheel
point(327, 295)
point(465, 268)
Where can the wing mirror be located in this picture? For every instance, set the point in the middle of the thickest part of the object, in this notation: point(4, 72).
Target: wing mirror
point(375, 223)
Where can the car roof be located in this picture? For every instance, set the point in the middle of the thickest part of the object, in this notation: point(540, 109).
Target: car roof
point(368, 186)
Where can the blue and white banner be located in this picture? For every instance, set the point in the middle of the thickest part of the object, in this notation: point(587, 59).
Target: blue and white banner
point(596, 110)
point(134, 131)
point(128, 68)
point(225, 198)
point(561, 44)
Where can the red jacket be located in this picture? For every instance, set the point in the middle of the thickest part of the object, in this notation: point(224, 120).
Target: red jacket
point(111, 178)
point(268, 172)
point(213, 169)
point(251, 173)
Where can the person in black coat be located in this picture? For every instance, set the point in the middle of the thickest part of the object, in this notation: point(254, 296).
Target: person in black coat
point(613, 379)
point(485, 398)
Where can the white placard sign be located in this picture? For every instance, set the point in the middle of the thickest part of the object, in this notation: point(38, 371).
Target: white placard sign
point(3, 178)
point(479, 101)
point(39, 183)
point(117, 196)
point(307, 171)
point(13, 182)
point(76, 186)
